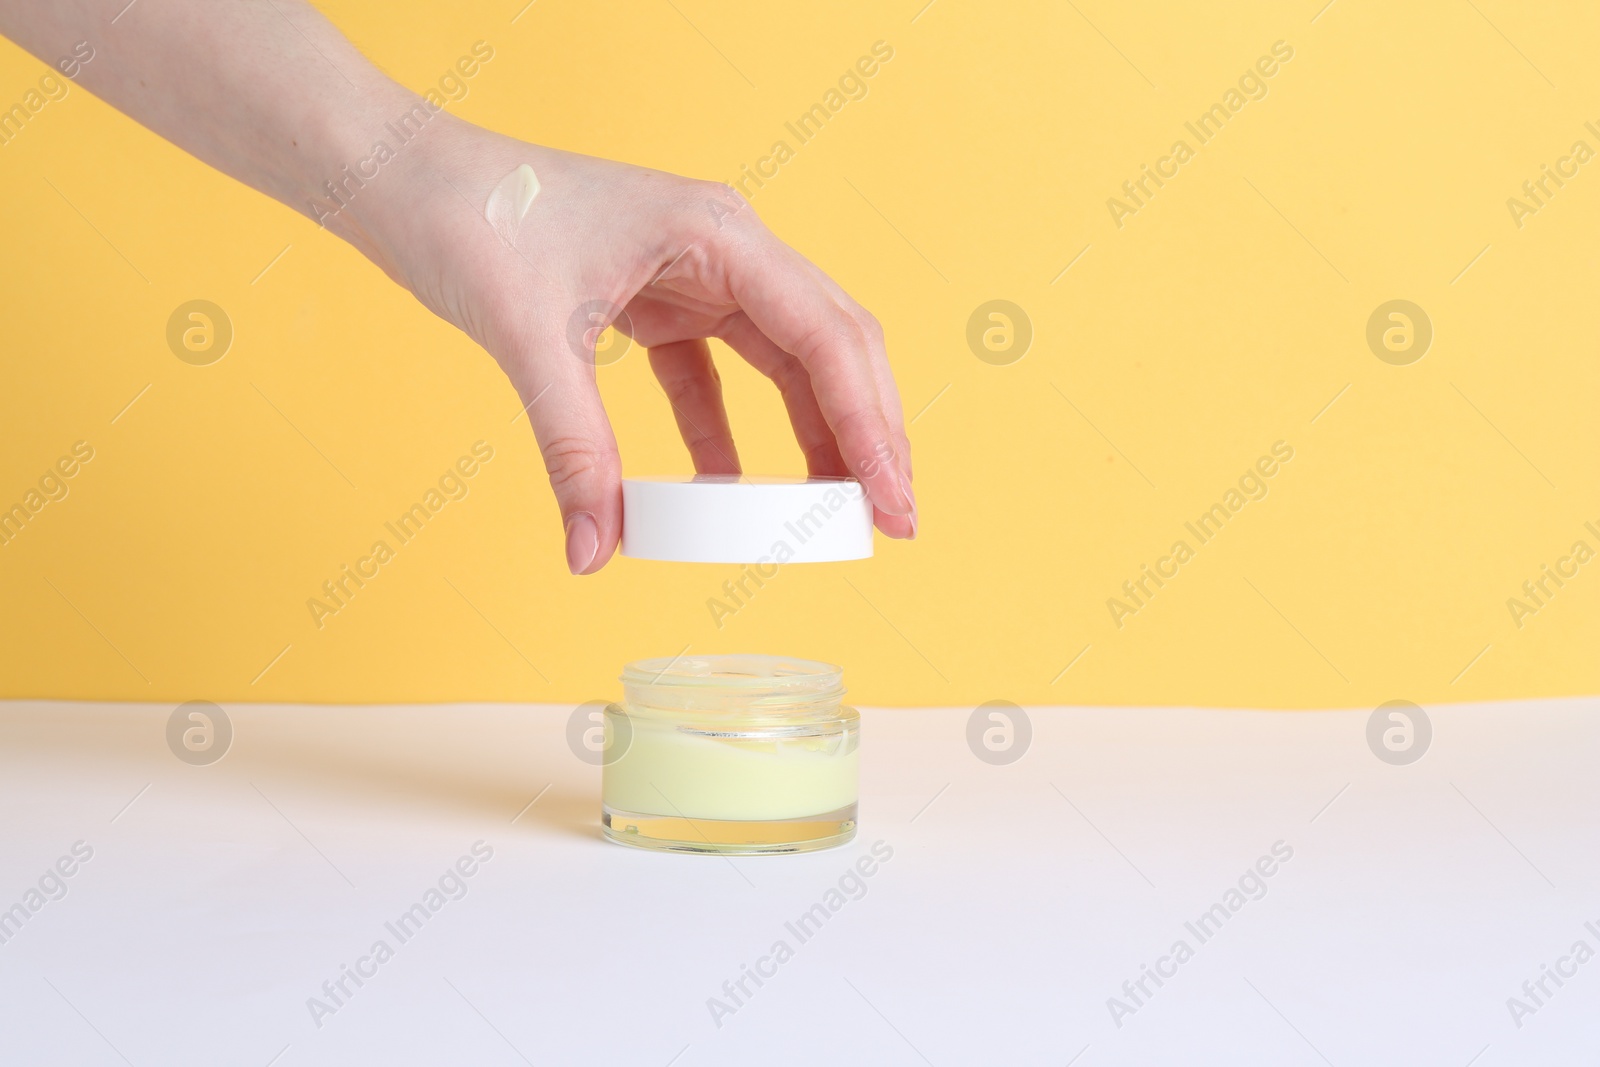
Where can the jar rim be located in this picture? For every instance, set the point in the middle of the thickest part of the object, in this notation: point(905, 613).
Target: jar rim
point(735, 672)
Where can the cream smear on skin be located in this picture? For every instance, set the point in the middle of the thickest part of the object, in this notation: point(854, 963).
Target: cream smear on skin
point(509, 202)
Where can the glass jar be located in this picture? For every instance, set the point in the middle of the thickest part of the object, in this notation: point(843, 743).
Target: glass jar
point(730, 754)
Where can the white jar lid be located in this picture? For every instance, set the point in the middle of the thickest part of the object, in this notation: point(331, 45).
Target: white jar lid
point(731, 519)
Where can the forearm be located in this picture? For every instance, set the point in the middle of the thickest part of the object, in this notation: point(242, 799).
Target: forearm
point(267, 91)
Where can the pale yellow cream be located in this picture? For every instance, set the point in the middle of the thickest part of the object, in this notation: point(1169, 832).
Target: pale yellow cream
point(668, 770)
point(509, 202)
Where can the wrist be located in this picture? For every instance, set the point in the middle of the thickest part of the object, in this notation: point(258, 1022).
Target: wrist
point(380, 164)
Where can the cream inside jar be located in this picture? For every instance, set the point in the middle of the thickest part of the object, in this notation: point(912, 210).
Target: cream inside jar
point(730, 754)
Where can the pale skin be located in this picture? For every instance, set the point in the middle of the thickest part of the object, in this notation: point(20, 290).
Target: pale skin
point(269, 92)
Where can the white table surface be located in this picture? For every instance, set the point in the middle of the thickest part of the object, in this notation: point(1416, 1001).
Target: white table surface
point(1018, 899)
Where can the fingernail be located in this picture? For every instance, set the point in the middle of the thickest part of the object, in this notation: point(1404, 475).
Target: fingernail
point(583, 541)
point(913, 522)
point(903, 480)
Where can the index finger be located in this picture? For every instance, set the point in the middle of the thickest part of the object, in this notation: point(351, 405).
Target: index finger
point(783, 296)
point(878, 354)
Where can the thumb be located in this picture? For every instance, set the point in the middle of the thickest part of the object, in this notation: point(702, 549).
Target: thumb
point(580, 455)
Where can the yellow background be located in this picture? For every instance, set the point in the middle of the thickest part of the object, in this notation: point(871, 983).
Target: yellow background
point(1221, 318)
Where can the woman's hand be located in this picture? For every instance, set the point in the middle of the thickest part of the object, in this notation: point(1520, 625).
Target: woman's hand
point(673, 262)
point(273, 94)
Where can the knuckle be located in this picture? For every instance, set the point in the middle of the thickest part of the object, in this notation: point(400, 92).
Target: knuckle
point(817, 336)
point(820, 455)
point(864, 426)
point(870, 326)
point(790, 376)
point(723, 192)
point(699, 390)
point(719, 208)
point(573, 462)
point(699, 441)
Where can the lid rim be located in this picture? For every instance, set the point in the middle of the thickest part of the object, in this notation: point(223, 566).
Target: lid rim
point(758, 521)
